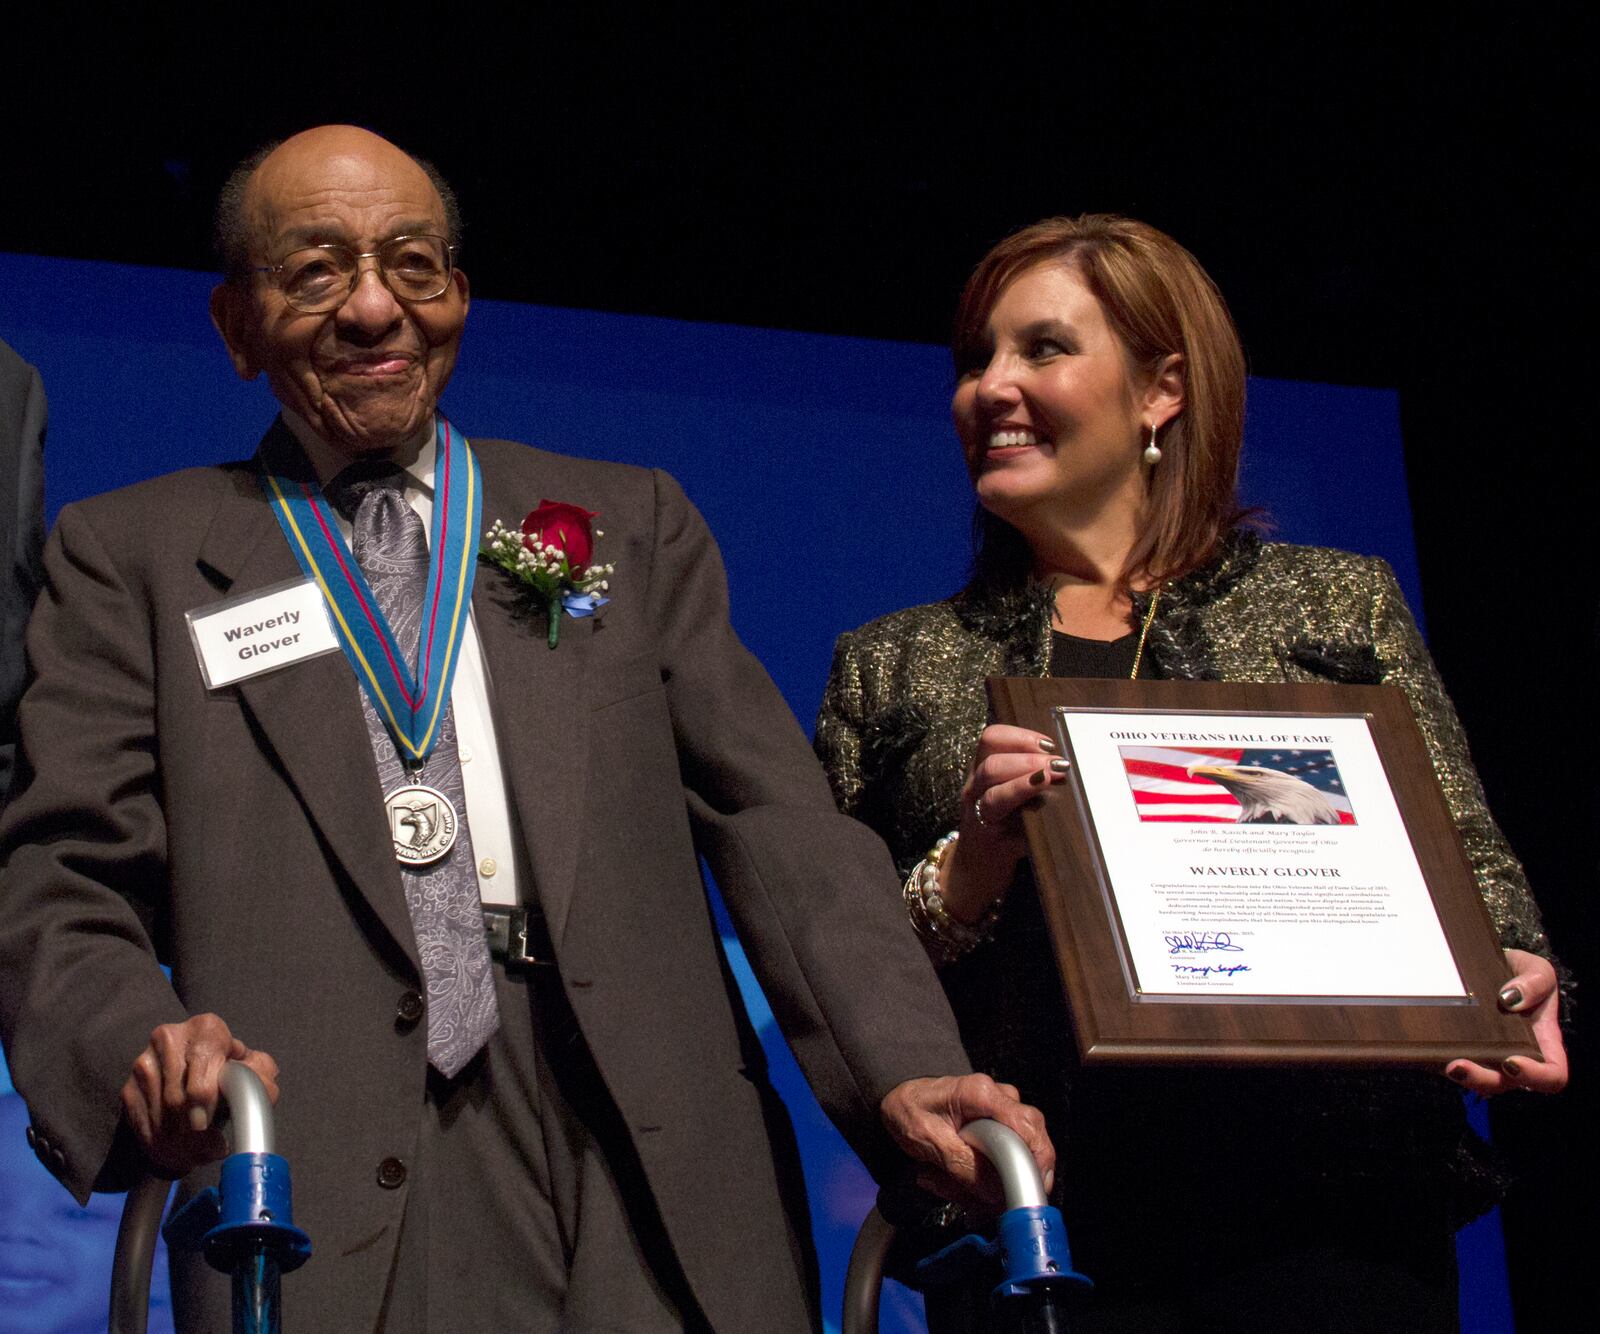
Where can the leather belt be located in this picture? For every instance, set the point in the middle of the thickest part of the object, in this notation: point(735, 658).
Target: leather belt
point(516, 936)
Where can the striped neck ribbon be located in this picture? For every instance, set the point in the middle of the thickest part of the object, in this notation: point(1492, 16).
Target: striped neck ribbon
point(409, 697)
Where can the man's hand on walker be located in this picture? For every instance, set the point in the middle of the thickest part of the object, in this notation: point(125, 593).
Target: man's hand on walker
point(925, 1117)
point(170, 1099)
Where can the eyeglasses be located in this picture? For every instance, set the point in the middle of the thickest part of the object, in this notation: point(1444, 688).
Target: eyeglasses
point(319, 278)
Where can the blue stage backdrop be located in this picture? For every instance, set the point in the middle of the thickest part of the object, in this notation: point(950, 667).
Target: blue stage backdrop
point(826, 466)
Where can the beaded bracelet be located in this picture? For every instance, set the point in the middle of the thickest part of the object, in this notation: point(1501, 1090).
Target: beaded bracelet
point(946, 938)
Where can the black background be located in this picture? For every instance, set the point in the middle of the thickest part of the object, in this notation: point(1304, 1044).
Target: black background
point(1388, 196)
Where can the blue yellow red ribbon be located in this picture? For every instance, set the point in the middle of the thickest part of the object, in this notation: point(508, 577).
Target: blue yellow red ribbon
point(410, 697)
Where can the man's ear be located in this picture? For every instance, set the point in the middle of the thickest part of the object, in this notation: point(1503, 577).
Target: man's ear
point(233, 314)
point(464, 288)
point(1164, 397)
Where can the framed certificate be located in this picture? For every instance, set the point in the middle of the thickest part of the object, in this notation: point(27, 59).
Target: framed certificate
point(1257, 873)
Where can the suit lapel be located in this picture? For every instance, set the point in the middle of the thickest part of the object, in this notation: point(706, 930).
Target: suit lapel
point(541, 710)
point(309, 714)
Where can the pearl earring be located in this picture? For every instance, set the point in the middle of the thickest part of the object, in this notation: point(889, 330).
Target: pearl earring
point(1152, 451)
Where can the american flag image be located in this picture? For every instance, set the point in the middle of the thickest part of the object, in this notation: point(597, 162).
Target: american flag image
point(1218, 785)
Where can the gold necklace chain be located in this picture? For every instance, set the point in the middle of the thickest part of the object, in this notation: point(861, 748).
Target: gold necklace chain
point(1144, 631)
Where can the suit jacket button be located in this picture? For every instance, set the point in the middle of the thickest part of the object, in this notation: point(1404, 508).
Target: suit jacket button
point(391, 1174)
point(409, 1007)
point(58, 1161)
point(33, 1138)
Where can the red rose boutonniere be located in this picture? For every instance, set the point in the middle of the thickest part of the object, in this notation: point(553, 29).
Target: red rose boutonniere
point(552, 559)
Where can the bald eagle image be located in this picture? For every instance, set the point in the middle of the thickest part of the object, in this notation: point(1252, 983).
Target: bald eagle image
point(420, 819)
point(1269, 796)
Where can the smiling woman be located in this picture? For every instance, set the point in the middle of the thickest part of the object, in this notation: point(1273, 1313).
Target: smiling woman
point(1100, 409)
point(1169, 326)
point(1045, 418)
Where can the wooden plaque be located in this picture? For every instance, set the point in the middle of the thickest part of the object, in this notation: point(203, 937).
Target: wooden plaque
point(1120, 1016)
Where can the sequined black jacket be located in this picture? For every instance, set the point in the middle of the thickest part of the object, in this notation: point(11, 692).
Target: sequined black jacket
point(904, 703)
point(897, 730)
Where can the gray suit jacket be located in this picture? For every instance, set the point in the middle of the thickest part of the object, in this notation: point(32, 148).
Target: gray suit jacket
point(22, 426)
point(238, 834)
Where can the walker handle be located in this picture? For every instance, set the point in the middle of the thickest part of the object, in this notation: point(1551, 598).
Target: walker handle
point(249, 1220)
point(1031, 1247)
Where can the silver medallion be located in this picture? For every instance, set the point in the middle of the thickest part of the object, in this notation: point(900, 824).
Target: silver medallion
point(422, 823)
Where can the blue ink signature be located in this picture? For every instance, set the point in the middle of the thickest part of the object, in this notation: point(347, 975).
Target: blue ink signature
point(1200, 942)
point(1209, 969)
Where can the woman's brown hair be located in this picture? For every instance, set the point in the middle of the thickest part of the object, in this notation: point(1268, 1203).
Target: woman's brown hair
point(1158, 301)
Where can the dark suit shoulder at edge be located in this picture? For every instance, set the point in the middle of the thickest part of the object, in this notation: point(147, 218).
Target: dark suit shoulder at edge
point(514, 453)
point(13, 365)
point(171, 492)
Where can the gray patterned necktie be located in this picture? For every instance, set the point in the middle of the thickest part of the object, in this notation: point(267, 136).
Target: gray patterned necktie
point(390, 546)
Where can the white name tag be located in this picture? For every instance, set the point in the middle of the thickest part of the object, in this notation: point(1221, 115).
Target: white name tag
point(261, 632)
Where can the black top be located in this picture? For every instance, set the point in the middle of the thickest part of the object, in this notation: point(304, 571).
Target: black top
point(1099, 659)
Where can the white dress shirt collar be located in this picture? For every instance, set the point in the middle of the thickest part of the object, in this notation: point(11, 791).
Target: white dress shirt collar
point(415, 456)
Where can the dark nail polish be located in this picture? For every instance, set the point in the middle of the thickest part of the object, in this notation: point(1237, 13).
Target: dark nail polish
point(1513, 1069)
point(1060, 766)
point(1047, 746)
point(1457, 1073)
point(1511, 997)
point(1037, 776)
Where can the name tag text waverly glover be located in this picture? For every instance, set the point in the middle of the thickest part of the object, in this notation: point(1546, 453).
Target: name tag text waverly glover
point(261, 632)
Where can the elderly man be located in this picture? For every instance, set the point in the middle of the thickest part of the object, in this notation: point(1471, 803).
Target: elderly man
point(443, 875)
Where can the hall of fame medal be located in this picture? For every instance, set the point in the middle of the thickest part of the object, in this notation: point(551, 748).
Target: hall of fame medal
point(422, 823)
